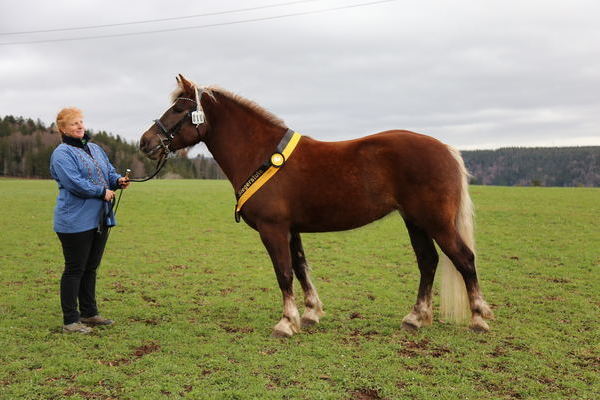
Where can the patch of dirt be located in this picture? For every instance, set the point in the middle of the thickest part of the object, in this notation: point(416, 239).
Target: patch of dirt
point(367, 334)
point(145, 349)
point(546, 381)
point(401, 385)
point(558, 280)
point(356, 315)
point(139, 352)
point(499, 367)
point(498, 352)
point(206, 372)
point(151, 301)
point(72, 391)
point(588, 362)
point(177, 267)
point(186, 389)
point(412, 348)
point(274, 383)
point(365, 394)
point(498, 389)
point(147, 321)
point(119, 288)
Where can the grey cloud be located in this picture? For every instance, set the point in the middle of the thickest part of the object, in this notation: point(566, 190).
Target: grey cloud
point(474, 74)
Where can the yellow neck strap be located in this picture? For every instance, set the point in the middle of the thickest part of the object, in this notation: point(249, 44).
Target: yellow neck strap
point(267, 170)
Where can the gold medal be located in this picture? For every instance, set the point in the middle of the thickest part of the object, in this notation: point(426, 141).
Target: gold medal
point(277, 160)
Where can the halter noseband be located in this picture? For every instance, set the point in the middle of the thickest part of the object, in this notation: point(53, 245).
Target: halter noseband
point(168, 135)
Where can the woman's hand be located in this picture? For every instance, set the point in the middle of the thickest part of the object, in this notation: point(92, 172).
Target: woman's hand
point(109, 195)
point(123, 182)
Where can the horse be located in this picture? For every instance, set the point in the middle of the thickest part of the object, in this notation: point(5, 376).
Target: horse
point(334, 186)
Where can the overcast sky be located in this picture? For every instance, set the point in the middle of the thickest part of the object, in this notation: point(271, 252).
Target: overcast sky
point(475, 74)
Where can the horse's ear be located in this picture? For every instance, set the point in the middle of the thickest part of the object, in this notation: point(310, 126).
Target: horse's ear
point(178, 80)
point(185, 84)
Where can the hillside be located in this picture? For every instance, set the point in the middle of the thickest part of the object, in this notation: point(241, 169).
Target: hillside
point(26, 146)
point(541, 166)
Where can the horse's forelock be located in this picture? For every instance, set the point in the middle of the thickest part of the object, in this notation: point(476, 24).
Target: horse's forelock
point(179, 91)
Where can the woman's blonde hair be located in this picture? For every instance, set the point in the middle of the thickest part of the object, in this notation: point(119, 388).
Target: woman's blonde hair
point(66, 115)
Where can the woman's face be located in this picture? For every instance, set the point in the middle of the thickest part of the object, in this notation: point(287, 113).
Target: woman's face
point(74, 128)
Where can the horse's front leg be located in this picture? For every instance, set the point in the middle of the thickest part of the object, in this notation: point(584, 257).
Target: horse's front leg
point(277, 242)
point(314, 307)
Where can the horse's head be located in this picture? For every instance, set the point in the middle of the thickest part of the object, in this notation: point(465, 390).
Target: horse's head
point(182, 125)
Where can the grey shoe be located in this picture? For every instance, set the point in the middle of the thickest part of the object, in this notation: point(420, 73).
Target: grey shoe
point(96, 320)
point(76, 327)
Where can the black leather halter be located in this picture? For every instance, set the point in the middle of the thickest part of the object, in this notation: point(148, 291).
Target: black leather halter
point(167, 135)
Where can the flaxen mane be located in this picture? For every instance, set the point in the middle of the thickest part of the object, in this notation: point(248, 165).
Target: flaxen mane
point(249, 104)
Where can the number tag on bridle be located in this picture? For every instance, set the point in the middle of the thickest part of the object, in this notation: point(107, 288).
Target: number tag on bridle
point(197, 117)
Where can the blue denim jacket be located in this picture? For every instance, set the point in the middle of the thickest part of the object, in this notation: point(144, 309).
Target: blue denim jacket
point(82, 180)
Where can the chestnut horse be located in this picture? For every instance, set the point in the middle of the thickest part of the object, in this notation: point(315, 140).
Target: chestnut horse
point(334, 186)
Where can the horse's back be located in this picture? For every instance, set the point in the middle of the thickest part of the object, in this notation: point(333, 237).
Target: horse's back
point(342, 185)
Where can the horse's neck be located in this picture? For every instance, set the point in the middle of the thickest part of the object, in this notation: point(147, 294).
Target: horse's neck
point(240, 145)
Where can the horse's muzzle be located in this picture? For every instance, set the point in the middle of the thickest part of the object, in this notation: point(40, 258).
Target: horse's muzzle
point(150, 146)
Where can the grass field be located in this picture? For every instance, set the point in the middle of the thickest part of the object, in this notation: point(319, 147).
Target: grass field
point(195, 297)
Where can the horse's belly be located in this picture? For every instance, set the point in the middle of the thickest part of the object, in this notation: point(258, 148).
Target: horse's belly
point(346, 211)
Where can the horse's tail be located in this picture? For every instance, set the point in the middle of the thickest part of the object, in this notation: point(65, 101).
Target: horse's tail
point(454, 305)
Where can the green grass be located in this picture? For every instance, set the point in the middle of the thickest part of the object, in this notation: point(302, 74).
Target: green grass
point(195, 297)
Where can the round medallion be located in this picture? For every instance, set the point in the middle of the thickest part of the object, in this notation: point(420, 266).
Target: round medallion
point(277, 159)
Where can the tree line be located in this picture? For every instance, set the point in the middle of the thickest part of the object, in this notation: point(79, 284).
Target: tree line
point(26, 146)
point(540, 166)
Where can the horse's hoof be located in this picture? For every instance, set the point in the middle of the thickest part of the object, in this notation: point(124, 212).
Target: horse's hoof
point(310, 317)
point(285, 328)
point(306, 321)
point(278, 333)
point(486, 311)
point(479, 325)
point(410, 327)
point(411, 322)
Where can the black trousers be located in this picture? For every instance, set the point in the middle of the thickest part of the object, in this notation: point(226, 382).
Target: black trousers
point(83, 253)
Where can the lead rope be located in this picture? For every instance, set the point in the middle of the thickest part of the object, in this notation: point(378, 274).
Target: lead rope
point(114, 205)
point(161, 163)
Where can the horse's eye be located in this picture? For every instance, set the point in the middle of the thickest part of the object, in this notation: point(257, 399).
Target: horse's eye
point(178, 109)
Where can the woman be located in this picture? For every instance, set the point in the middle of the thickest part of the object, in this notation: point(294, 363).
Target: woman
point(86, 184)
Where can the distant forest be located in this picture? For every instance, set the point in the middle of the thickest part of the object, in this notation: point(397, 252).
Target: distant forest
point(537, 166)
point(26, 145)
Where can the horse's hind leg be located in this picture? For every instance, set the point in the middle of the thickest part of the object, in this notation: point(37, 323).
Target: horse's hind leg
point(463, 259)
point(277, 242)
point(427, 259)
point(314, 307)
